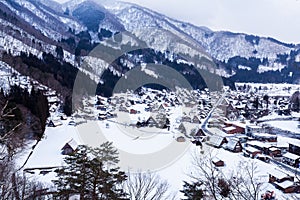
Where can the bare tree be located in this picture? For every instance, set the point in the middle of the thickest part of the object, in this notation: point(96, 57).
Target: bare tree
point(245, 183)
point(14, 185)
point(5, 179)
point(8, 139)
point(240, 184)
point(147, 186)
point(207, 174)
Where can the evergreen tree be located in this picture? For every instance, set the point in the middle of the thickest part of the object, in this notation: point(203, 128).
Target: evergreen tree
point(85, 174)
point(67, 11)
point(295, 101)
point(224, 187)
point(256, 103)
point(266, 99)
point(59, 52)
point(67, 107)
point(192, 191)
point(106, 153)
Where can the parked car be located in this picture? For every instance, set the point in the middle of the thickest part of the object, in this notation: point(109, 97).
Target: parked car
point(72, 123)
point(246, 154)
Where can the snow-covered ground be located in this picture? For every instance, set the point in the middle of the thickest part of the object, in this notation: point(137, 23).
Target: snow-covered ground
point(273, 89)
point(140, 150)
point(288, 125)
point(48, 151)
point(149, 148)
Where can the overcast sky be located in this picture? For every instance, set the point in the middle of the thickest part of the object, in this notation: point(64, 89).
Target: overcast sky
point(275, 18)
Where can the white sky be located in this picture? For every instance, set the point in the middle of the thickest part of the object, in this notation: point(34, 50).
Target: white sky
point(274, 18)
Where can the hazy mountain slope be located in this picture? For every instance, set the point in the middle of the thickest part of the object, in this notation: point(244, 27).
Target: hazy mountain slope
point(220, 45)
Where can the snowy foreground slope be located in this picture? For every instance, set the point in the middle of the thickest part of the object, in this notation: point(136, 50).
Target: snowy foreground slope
point(48, 154)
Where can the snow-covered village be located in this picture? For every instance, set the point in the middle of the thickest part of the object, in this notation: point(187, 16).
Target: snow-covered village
point(140, 100)
point(254, 129)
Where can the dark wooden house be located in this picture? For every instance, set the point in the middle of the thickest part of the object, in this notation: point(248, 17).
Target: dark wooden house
point(218, 162)
point(69, 148)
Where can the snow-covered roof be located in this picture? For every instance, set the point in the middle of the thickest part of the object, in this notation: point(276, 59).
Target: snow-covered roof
point(285, 184)
point(73, 144)
point(277, 173)
point(53, 99)
point(238, 124)
point(252, 126)
point(259, 144)
point(240, 136)
point(217, 131)
point(230, 128)
point(231, 144)
point(295, 142)
point(57, 123)
point(216, 140)
point(264, 135)
point(273, 149)
point(295, 114)
point(74, 197)
point(291, 156)
point(216, 159)
point(251, 149)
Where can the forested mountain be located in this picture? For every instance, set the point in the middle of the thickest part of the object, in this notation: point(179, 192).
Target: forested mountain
point(51, 43)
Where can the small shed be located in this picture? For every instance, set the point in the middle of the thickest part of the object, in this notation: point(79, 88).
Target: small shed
point(199, 134)
point(291, 159)
point(286, 186)
point(72, 123)
point(180, 139)
point(162, 108)
point(274, 152)
point(186, 119)
point(70, 147)
point(230, 130)
point(218, 162)
point(151, 122)
point(196, 120)
point(252, 151)
point(54, 123)
point(102, 116)
point(133, 111)
point(233, 145)
point(279, 176)
point(63, 117)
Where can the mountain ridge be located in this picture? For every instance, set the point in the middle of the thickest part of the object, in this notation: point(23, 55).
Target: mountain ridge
point(66, 32)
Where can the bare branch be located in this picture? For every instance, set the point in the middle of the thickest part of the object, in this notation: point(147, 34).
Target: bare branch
point(147, 186)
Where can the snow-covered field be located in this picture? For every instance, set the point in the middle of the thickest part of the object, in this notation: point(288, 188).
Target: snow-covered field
point(288, 125)
point(156, 152)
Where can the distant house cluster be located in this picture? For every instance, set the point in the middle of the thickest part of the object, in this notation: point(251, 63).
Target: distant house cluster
point(238, 125)
point(158, 106)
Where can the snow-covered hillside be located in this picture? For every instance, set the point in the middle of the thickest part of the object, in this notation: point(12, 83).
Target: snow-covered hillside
point(54, 25)
point(156, 30)
point(220, 45)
